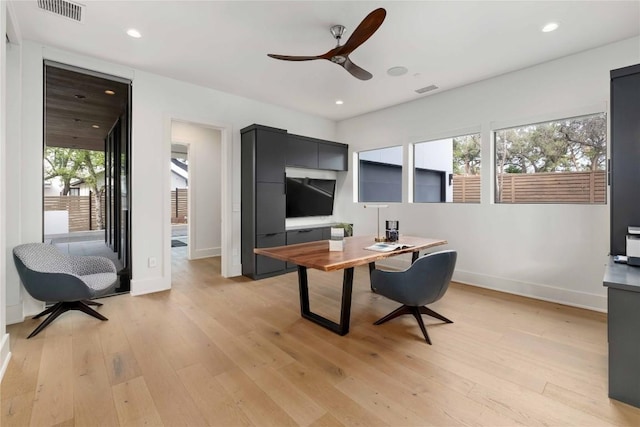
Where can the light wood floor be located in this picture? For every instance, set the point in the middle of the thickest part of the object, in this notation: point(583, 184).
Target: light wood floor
point(236, 352)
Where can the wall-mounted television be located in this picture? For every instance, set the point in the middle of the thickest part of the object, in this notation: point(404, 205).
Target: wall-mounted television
point(310, 197)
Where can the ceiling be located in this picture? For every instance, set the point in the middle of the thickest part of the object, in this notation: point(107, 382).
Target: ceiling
point(78, 112)
point(224, 44)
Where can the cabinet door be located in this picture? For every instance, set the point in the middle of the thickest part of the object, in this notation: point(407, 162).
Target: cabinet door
point(270, 155)
point(302, 152)
point(270, 208)
point(625, 154)
point(265, 265)
point(333, 157)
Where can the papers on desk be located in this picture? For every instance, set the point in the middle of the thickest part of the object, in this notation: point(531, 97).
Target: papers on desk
point(388, 247)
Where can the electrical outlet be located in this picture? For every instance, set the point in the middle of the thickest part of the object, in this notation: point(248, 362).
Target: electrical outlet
point(152, 262)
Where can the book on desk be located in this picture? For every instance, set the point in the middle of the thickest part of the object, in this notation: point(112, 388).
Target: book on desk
point(387, 247)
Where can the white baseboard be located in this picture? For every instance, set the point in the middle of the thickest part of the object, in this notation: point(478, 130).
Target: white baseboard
point(206, 253)
point(5, 355)
point(15, 314)
point(149, 286)
point(534, 290)
point(526, 289)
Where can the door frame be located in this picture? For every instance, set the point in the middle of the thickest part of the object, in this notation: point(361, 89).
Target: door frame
point(226, 152)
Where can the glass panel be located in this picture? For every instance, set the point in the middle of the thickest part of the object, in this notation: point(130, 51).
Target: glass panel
point(447, 170)
point(561, 161)
point(380, 175)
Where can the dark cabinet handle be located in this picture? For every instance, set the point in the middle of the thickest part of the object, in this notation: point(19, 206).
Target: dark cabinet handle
point(305, 231)
point(270, 234)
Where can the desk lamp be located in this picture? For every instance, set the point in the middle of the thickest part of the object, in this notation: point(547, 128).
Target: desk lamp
point(378, 237)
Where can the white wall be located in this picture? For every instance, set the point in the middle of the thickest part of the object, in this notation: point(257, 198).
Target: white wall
point(205, 191)
point(156, 102)
point(553, 252)
point(4, 337)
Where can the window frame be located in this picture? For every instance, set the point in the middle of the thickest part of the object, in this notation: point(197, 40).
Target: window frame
point(585, 112)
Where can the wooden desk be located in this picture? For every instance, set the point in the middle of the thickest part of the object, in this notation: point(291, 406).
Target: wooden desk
point(317, 255)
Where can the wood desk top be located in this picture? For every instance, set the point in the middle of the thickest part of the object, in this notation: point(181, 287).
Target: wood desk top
point(317, 255)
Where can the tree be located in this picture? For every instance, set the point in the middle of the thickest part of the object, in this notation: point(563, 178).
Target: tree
point(571, 145)
point(65, 163)
point(94, 166)
point(83, 165)
point(587, 141)
point(466, 155)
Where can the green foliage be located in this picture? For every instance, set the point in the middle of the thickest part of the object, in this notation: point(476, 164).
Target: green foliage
point(570, 145)
point(71, 163)
point(466, 155)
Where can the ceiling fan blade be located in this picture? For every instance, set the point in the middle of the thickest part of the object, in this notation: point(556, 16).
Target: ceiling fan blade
point(356, 71)
point(367, 27)
point(294, 58)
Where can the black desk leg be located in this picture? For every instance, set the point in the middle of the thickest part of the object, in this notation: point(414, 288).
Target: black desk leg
point(372, 266)
point(341, 328)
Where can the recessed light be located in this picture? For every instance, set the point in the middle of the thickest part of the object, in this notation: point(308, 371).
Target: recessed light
point(132, 32)
point(95, 126)
point(109, 92)
point(397, 71)
point(551, 26)
point(339, 102)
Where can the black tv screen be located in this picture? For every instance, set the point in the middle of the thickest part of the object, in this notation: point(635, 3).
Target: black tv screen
point(310, 197)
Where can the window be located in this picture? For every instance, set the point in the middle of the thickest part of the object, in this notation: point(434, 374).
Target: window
point(380, 175)
point(74, 191)
point(447, 170)
point(561, 161)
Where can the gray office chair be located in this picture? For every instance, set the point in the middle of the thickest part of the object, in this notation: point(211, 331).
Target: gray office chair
point(425, 282)
point(69, 281)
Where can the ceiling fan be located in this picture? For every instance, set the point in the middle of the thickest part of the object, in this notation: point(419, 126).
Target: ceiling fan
point(340, 54)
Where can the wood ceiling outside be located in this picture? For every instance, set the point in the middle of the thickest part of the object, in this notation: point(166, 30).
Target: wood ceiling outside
point(74, 102)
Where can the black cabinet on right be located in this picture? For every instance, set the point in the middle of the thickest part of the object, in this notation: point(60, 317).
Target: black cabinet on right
point(625, 154)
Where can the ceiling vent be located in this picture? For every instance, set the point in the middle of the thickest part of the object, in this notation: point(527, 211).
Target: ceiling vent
point(426, 89)
point(65, 8)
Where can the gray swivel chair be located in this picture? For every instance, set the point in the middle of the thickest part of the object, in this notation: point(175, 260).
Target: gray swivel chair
point(69, 281)
point(425, 282)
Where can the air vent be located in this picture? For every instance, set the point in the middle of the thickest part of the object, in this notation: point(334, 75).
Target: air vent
point(65, 8)
point(426, 89)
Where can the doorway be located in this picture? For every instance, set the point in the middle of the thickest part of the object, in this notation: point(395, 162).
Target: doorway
point(179, 200)
point(202, 145)
point(87, 147)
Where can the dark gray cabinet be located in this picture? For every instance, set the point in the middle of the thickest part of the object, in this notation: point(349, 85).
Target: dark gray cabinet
point(302, 152)
point(312, 153)
point(333, 156)
point(265, 154)
point(625, 154)
point(623, 281)
point(270, 202)
point(263, 198)
point(623, 322)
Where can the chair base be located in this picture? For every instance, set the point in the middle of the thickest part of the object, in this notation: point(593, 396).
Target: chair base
point(61, 307)
point(417, 313)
